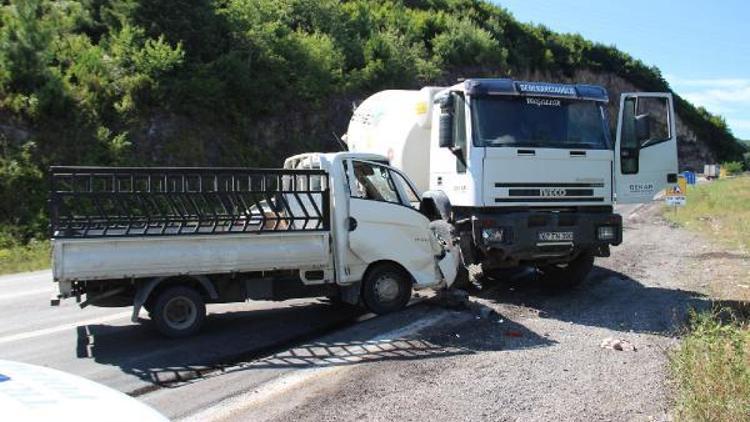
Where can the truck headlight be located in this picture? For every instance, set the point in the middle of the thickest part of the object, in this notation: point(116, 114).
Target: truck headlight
point(493, 234)
point(606, 233)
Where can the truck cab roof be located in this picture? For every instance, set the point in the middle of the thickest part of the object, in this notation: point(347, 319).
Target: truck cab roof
point(503, 86)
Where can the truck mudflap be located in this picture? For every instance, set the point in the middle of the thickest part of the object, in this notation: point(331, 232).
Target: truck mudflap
point(543, 236)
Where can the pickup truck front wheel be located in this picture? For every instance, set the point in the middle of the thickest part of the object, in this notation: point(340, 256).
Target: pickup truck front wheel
point(386, 288)
point(178, 311)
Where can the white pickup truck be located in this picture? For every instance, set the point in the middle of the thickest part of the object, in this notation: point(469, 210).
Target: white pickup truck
point(343, 225)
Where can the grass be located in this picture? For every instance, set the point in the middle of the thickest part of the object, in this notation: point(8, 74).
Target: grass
point(15, 257)
point(720, 209)
point(711, 368)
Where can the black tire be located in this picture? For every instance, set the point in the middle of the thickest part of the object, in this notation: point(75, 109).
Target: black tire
point(178, 311)
point(569, 275)
point(386, 288)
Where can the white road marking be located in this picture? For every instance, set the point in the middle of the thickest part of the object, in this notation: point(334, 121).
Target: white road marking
point(26, 293)
point(64, 327)
point(33, 276)
point(226, 408)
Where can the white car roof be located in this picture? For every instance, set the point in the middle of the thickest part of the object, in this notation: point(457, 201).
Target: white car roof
point(35, 393)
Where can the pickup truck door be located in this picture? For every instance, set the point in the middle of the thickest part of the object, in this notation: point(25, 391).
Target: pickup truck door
point(645, 146)
point(384, 224)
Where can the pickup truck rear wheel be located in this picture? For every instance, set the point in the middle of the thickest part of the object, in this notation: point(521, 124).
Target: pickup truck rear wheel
point(178, 311)
point(386, 288)
point(568, 275)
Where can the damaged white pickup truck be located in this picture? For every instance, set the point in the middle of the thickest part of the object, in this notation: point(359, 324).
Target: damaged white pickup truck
point(170, 240)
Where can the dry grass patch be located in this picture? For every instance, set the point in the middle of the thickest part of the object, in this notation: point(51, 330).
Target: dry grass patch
point(720, 209)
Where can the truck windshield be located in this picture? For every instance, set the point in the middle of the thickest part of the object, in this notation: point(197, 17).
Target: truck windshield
point(538, 122)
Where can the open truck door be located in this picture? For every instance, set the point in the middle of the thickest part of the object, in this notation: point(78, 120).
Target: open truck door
point(645, 147)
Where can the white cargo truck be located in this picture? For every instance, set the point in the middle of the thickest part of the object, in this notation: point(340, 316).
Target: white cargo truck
point(344, 225)
point(528, 172)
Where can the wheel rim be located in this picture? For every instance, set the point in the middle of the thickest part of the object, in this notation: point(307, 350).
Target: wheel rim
point(386, 288)
point(180, 313)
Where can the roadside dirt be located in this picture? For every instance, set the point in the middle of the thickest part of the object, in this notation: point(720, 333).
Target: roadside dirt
point(520, 353)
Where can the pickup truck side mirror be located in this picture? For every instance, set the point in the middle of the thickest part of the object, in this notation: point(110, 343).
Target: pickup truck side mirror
point(643, 127)
point(445, 124)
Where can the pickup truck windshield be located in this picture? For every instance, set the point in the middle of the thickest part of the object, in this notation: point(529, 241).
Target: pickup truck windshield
point(538, 122)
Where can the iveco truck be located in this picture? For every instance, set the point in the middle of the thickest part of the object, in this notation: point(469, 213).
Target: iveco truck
point(527, 172)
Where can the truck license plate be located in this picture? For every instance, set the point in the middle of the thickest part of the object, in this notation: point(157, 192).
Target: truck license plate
point(556, 236)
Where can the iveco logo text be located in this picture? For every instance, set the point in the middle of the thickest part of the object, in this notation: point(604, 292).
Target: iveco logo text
point(552, 192)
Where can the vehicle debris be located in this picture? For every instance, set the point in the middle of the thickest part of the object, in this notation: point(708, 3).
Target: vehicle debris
point(621, 345)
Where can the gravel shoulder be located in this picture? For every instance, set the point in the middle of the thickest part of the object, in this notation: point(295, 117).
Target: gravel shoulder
point(518, 353)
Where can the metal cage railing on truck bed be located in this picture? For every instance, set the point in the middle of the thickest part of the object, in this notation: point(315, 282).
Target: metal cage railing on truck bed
point(119, 201)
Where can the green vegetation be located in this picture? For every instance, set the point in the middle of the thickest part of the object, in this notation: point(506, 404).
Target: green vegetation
point(720, 209)
point(243, 82)
point(16, 257)
point(711, 368)
point(732, 167)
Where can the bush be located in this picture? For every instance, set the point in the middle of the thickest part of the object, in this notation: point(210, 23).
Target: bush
point(18, 256)
point(732, 167)
point(464, 44)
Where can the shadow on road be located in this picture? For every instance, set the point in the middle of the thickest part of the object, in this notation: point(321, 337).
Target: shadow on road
point(226, 338)
point(323, 335)
point(610, 299)
point(282, 339)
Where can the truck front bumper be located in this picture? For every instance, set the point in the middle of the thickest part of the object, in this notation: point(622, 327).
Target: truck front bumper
point(513, 238)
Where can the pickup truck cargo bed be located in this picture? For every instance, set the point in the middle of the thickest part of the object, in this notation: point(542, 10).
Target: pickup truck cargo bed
point(102, 258)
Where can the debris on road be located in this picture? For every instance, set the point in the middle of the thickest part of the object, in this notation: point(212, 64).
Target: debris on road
point(618, 344)
point(486, 312)
point(454, 298)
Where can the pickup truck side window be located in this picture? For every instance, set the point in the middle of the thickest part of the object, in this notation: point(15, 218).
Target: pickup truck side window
point(374, 182)
point(411, 199)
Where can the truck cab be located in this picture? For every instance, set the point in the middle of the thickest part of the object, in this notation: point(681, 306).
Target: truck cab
point(530, 169)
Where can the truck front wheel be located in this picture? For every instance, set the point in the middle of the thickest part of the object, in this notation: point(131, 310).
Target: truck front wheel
point(567, 275)
point(386, 288)
point(178, 311)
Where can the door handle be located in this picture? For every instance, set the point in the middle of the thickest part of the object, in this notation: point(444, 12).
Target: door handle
point(351, 224)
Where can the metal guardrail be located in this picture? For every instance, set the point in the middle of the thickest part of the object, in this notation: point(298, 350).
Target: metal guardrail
point(150, 201)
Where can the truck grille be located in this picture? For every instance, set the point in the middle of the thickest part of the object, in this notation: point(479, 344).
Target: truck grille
point(550, 192)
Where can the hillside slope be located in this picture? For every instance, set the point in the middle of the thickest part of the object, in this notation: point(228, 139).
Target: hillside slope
point(246, 82)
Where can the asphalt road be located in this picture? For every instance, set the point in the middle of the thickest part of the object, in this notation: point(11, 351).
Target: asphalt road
point(102, 344)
